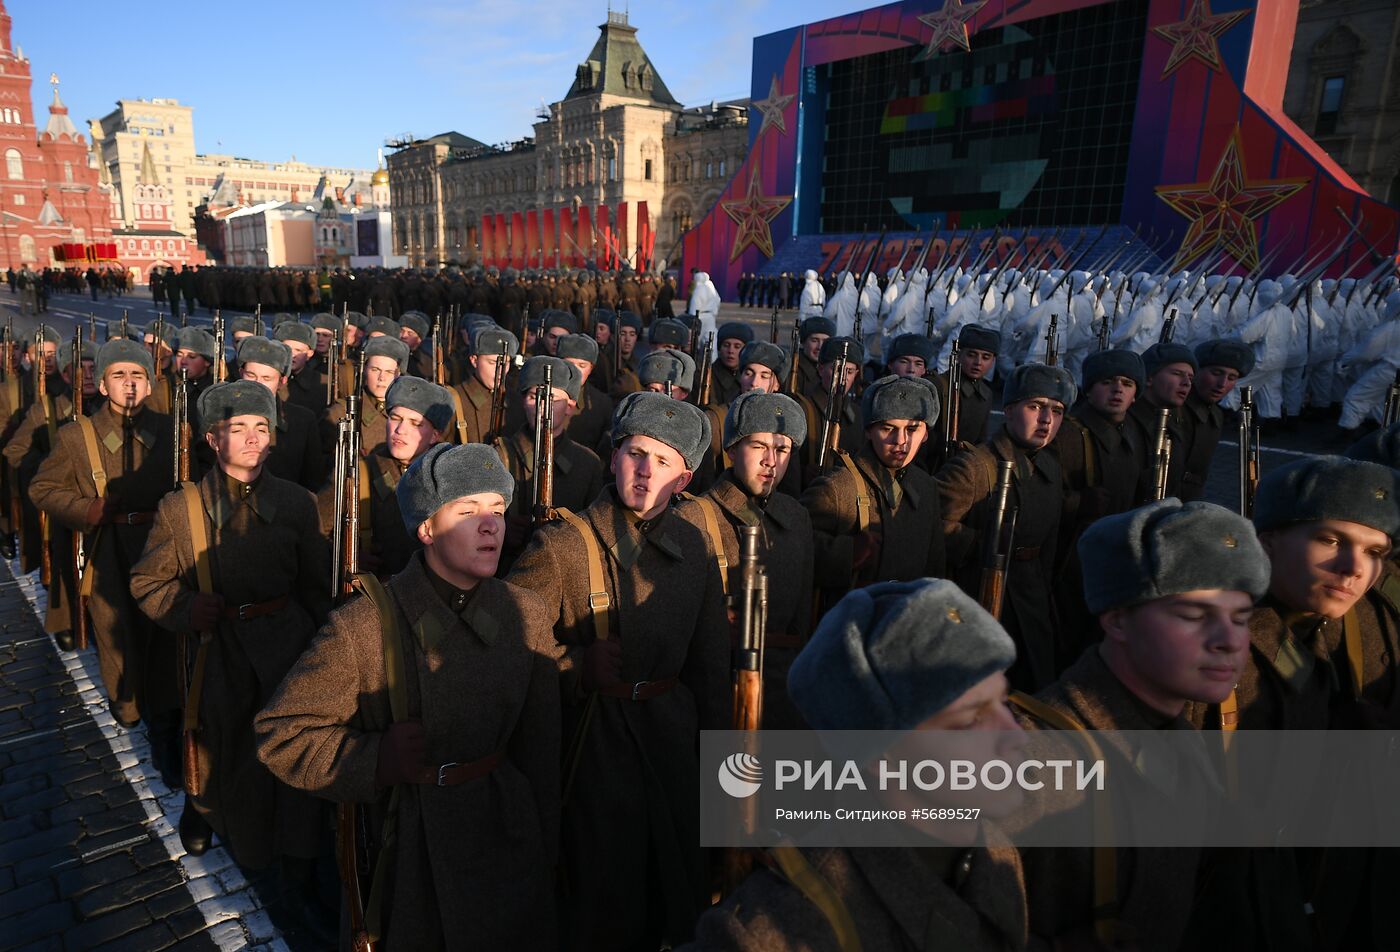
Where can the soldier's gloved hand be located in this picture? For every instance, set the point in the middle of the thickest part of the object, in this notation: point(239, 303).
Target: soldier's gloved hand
point(865, 548)
point(402, 753)
point(101, 510)
point(602, 665)
point(206, 611)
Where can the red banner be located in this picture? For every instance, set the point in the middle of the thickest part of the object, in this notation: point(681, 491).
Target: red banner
point(584, 236)
point(644, 238)
point(601, 251)
point(549, 240)
point(488, 241)
point(502, 241)
point(620, 249)
point(532, 238)
point(518, 251)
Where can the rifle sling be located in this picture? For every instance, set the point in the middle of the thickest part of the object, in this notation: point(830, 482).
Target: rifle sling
point(710, 512)
point(204, 578)
point(599, 601)
point(795, 868)
point(99, 480)
point(463, 431)
point(862, 497)
point(391, 641)
point(1107, 927)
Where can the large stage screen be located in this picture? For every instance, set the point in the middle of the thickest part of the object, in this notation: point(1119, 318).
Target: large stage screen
point(1031, 127)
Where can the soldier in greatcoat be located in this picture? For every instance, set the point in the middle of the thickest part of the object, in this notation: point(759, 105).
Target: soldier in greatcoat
point(638, 613)
point(1034, 400)
point(108, 489)
point(896, 657)
point(462, 753)
point(876, 517)
point(296, 453)
point(235, 564)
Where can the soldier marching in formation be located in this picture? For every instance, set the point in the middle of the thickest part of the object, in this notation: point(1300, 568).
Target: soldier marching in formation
point(483, 600)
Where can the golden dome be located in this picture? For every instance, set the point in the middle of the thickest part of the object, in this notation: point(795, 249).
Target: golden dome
point(380, 177)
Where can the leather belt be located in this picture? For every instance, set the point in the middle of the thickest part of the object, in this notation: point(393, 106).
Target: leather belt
point(450, 775)
point(1026, 554)
point(641, 690)
point(134, 518)
point(255, 609)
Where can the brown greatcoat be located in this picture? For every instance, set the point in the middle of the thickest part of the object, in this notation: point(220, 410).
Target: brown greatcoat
point(265, 544)
point(975, 402)
point(1155, 885)
point(136, 660)
point(390, 542)
point(578, 479)
point(1202, 422)
point(592, 421)
point(895, 899)
point(307, 388)
point(630, 845)
point(785, 553)
point(473, 864)
point(904, 516)
point(30, 416)
point(25, 451)
point(965, 487)
point(851, 436)
point(296, 453)
point(374, 427)
point(1143, 415)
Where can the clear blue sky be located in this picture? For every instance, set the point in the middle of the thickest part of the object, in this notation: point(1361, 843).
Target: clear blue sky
point(330, 81)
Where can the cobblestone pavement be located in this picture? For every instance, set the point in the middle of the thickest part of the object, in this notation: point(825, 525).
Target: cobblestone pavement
point(89, 854)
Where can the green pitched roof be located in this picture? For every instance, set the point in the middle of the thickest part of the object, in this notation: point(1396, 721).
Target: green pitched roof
point(618, 66)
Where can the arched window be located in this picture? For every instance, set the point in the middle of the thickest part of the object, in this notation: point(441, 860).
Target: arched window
point(68, 172)
point(6, 114)
point(26, 249)
point(14, 165)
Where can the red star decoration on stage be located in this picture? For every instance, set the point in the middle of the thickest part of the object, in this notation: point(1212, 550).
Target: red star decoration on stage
point(949, 27)
point(752, 213)
point(1197, 36)
point(1223, 210)
point(772, 108)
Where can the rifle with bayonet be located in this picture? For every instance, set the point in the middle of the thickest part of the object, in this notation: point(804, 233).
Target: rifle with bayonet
point(1392, 404)
point(542, 510)
point(439, 353)
point(835, 407)
point(180, 419)
point(14, 384)
point(954, 408)
point(1052, 341)
point(79, 609)
point(751, 612)
point(706, 371)
point(41, 396)
point(773, 325)
point(1168, 327)
point(1249, 453)
point(794, 374)
point(333, 368)
point(996, 551)
point(220, 360)
point(1161, 455)
point(498, 395)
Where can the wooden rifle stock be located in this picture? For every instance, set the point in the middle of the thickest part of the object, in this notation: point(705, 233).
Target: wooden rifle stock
point(181, 421)
point(220, 360)
point(349, 551)
point(498, 394)
point(831, 421)
point(439, 358)
point(707, 374)
point(751, 604)
point(995, 557)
